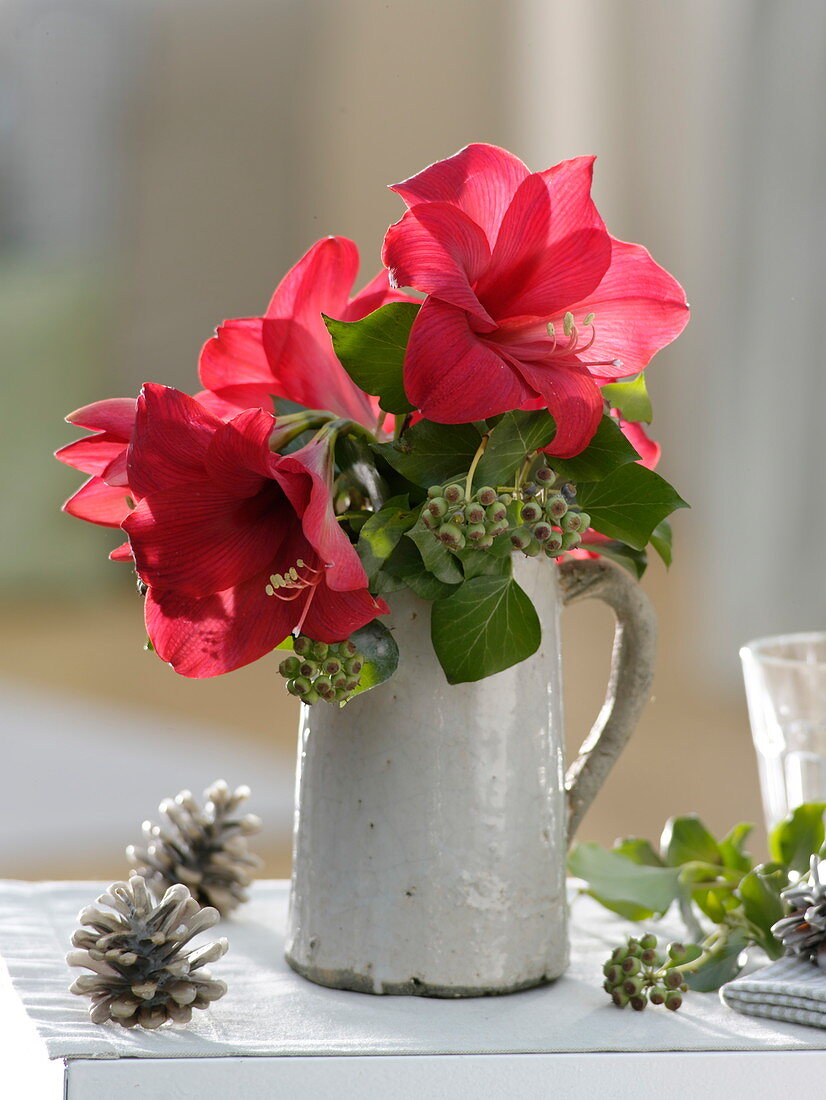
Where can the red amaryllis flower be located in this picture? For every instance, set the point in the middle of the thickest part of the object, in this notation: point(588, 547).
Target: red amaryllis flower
point(502, 253)
point(239, 546)
point(288, 352)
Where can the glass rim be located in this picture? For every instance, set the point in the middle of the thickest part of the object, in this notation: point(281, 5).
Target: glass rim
point(755, 649)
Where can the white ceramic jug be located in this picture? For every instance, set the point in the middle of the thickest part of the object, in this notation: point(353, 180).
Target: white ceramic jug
point(433, 821)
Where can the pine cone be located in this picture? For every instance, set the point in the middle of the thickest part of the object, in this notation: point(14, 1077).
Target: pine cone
point(803, 931)
point(205, 849)
point(141, 974)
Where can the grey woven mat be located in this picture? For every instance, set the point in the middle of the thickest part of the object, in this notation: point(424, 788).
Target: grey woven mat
point(791, 989)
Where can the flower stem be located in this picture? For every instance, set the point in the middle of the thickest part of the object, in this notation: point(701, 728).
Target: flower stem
point(480, 451)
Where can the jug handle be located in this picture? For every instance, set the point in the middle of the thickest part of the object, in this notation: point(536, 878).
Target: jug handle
point(632, 670)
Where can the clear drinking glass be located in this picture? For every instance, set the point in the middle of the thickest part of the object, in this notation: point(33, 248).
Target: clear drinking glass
point(786, 691)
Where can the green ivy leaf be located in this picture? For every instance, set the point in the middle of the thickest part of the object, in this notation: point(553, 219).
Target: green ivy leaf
point(661, 538)
point(437, 558)
point(794, 840)
point(721, 966)
point(635, 561)
point(630, 399)
point(607, 450)
point(380, 535)
point(759, 891)
point(629, 503)
point(405, 569)
point(732, 850)
point(431, 454)
point(637, 850)
point(486, 626)
point(514, 436)
point(615, 877)
point(381, 655)
point(687, 840)
point(372, 351)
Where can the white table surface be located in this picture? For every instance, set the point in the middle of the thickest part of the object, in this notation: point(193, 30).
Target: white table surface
point(274, 1033)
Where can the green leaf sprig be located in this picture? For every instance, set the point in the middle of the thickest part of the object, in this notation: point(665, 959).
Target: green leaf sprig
point(709, 881)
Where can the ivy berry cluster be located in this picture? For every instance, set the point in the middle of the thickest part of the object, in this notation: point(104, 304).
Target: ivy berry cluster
point(638, 973)
point(539, 516)
point(549, 522)
point(459, 519)
point(322, 670)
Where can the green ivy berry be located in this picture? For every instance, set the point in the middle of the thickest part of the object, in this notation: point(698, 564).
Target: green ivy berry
point(532, 549)
point(475, 513)
point(631, 965)
point(437, 507)
point(331, 667)
point(486, 495)
point(309, 669)
point(496, 512)
point(485, 543)
point(289, 667)
point(302, 645)
point(320, 650)
point(556, 507)
point(454, 493)
point(531, 512)
point(475, 532)
point(429, 520)
point(585, 521)
point(347, 648)
point(545, 475)
point(673, 1001)
point(521, 538)
point(434, 491)
point(543, 531)
point(619, 998)
point(571, 540)
point(300, 686)
point(648, 941)
point(451, 536)
point(676, 951)
point(673, 979)
point(632, 986)
point(657, 994)
point(639, 1002)
point(310, 697)
point(571, 521)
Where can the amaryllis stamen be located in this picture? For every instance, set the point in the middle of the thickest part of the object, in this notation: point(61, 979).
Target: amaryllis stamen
point(296, 584)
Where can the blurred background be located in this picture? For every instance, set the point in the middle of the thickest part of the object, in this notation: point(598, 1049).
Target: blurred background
point(163, 163)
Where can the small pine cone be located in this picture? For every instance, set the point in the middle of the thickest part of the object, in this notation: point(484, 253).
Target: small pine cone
point(141, 976)
point(803, 931)
point(205, 849)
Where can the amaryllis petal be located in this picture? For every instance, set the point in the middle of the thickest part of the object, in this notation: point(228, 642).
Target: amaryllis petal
point(304, 369)
point(342, 565)
point(93, 453)
point(97, 502)
point(219, 633)
point(573, 399)
point(122, 553)
point(480, 179)
point(376, 294)
point(443, 355)
point(115, 415)
point(199, 538)
point(172, 433)
point(319, 283)
point(552, 247)
point(238, 458)
point(646, 448)
point(438, 249)
point(639, 308)
point(340, 614)
point(234, 365)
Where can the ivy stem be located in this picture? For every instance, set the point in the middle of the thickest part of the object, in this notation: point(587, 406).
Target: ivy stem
point(380, 421)
point(693, 926)
point(480, 451)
